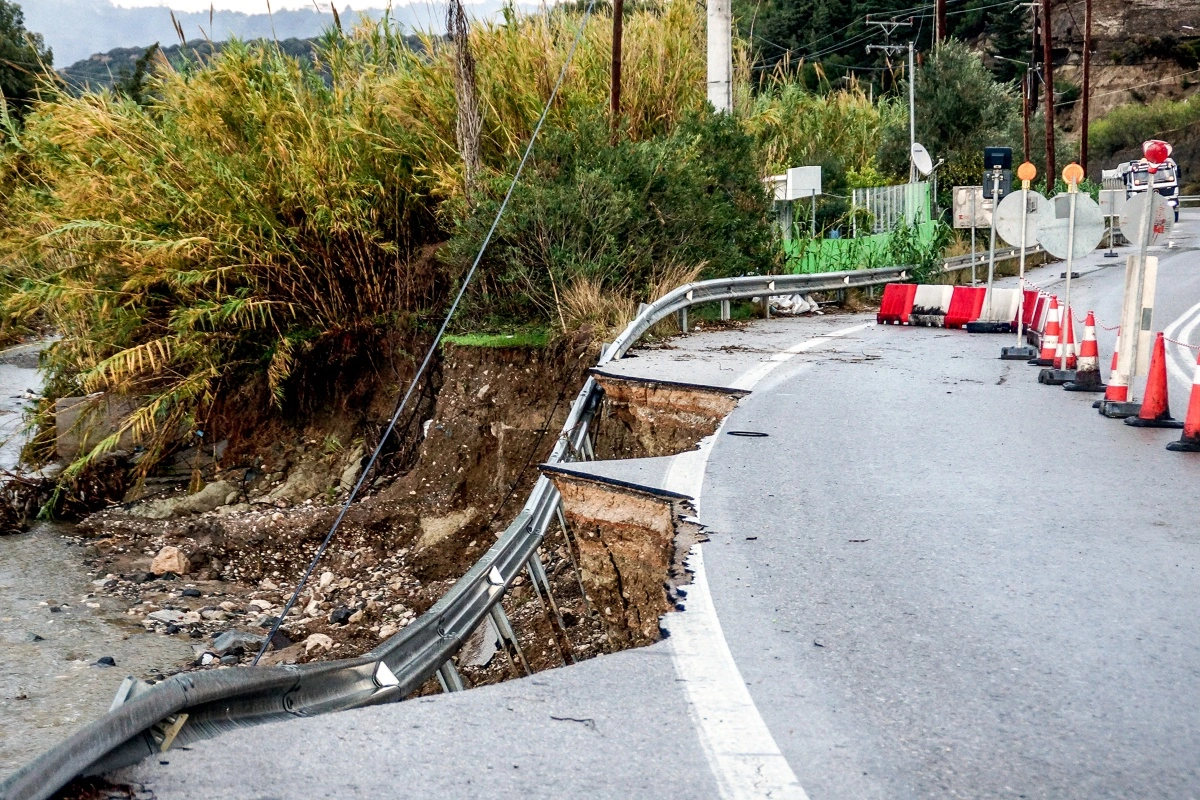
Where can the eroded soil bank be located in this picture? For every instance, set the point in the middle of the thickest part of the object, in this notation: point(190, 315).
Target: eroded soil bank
point(207, 574)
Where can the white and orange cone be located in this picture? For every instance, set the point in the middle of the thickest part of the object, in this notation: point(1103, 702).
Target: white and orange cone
point(1155, 411)
point(1064, 354)
point(1189, 442)
point(1049, 337)
point(1117, 390)
point(1087, 369)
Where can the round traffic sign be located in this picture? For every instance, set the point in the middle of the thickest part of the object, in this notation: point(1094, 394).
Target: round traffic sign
point(1156, 150)
point(1133, 220)
point(1054, 221)
point(1008, 217)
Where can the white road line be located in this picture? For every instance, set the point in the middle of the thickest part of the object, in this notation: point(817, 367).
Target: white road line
point(1181, 373)
point(756, 373)
point(745, 759)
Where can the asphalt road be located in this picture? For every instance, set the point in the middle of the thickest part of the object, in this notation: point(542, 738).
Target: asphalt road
point(934, 577)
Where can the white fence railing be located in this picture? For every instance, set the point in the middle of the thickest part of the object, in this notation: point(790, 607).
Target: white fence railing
point(888, 206)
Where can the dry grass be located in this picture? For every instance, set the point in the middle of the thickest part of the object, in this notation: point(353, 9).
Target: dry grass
point(257, 207)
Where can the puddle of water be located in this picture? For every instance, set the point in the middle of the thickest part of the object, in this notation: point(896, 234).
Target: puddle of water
point(49, 685)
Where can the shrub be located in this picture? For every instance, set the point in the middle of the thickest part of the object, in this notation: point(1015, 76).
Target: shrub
point(593, 217)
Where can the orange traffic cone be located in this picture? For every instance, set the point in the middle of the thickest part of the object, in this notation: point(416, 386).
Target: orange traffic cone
point(1155, 411)
point(1189, 442)
point(1064, 356)
point(1049, 337)
point(1087, 370)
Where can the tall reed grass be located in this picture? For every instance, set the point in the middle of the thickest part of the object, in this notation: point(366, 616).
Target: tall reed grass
point(256, 206)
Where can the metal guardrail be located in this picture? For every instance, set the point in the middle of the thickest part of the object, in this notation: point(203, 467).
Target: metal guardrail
point(1189, 200)
point(148, 719)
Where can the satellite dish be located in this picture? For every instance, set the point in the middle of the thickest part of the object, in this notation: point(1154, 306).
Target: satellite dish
point(921, 159)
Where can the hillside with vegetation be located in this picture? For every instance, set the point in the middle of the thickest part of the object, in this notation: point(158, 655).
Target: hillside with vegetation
point(218, 232)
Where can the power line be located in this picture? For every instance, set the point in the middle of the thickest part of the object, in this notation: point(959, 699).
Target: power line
point(466, 282)
point(1131, 88)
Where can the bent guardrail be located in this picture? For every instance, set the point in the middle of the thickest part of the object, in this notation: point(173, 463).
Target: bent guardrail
point(147, 719)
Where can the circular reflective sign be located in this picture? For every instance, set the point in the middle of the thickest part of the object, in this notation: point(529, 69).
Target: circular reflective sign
point(1008, 217)
point(1156, 151)
point(1054, 220)
point(1072, 173)
point(1133, 221)
point(1027, 171)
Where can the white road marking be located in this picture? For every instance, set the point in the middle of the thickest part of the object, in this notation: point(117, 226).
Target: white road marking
point(744, 757)
point(756, 373)
point(1183, 373)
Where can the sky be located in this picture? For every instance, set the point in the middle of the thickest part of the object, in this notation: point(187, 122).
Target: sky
point(247, 6)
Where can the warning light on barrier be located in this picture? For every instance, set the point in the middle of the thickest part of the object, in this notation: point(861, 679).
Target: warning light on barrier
point(1027, 171)
point(1072, 173)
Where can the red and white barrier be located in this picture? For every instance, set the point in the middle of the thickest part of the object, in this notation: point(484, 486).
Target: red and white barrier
point(931, 304)
point(896, 306)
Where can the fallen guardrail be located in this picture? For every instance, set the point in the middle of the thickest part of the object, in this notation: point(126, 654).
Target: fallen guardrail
point(148, 719)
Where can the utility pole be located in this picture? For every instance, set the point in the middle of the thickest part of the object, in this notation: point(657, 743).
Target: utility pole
point(618, 29)
point(1087, 83)
point(939, 20)
point(720, 55)
point(1025, 113)
point(1029, 81)
point(912, 114)
point(1048, 72)
point(1035, 54)
point(888, 27)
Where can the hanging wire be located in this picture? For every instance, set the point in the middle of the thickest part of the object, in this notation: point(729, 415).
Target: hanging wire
point(437, 339)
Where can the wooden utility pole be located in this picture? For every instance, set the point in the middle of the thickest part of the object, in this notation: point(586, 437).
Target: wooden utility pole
point(1087, 83)
point(1034, 54)
point(940, 19)
point(469, 124)
point(1048, 72)
point(618, 29)
point(1025, 81)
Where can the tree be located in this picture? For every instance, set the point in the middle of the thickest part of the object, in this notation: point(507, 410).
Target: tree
point(23, 60)
point(960, 110)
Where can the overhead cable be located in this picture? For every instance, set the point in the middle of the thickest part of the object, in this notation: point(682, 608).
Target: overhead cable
point(462, 290)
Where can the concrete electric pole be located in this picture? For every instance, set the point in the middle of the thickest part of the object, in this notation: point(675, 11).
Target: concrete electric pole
point(720, 55)
point(888, 27)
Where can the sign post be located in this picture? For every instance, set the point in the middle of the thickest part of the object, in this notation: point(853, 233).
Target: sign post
point(1084, 231)
point(999, 161)
point(1022, 352)
point(1137, 307)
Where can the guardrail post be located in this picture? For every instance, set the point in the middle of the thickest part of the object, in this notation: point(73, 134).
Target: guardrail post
point(509, 637)
point(562, 523)
point(682, 314)
point(724, 309)
point(449, 678)
point(537, 574)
